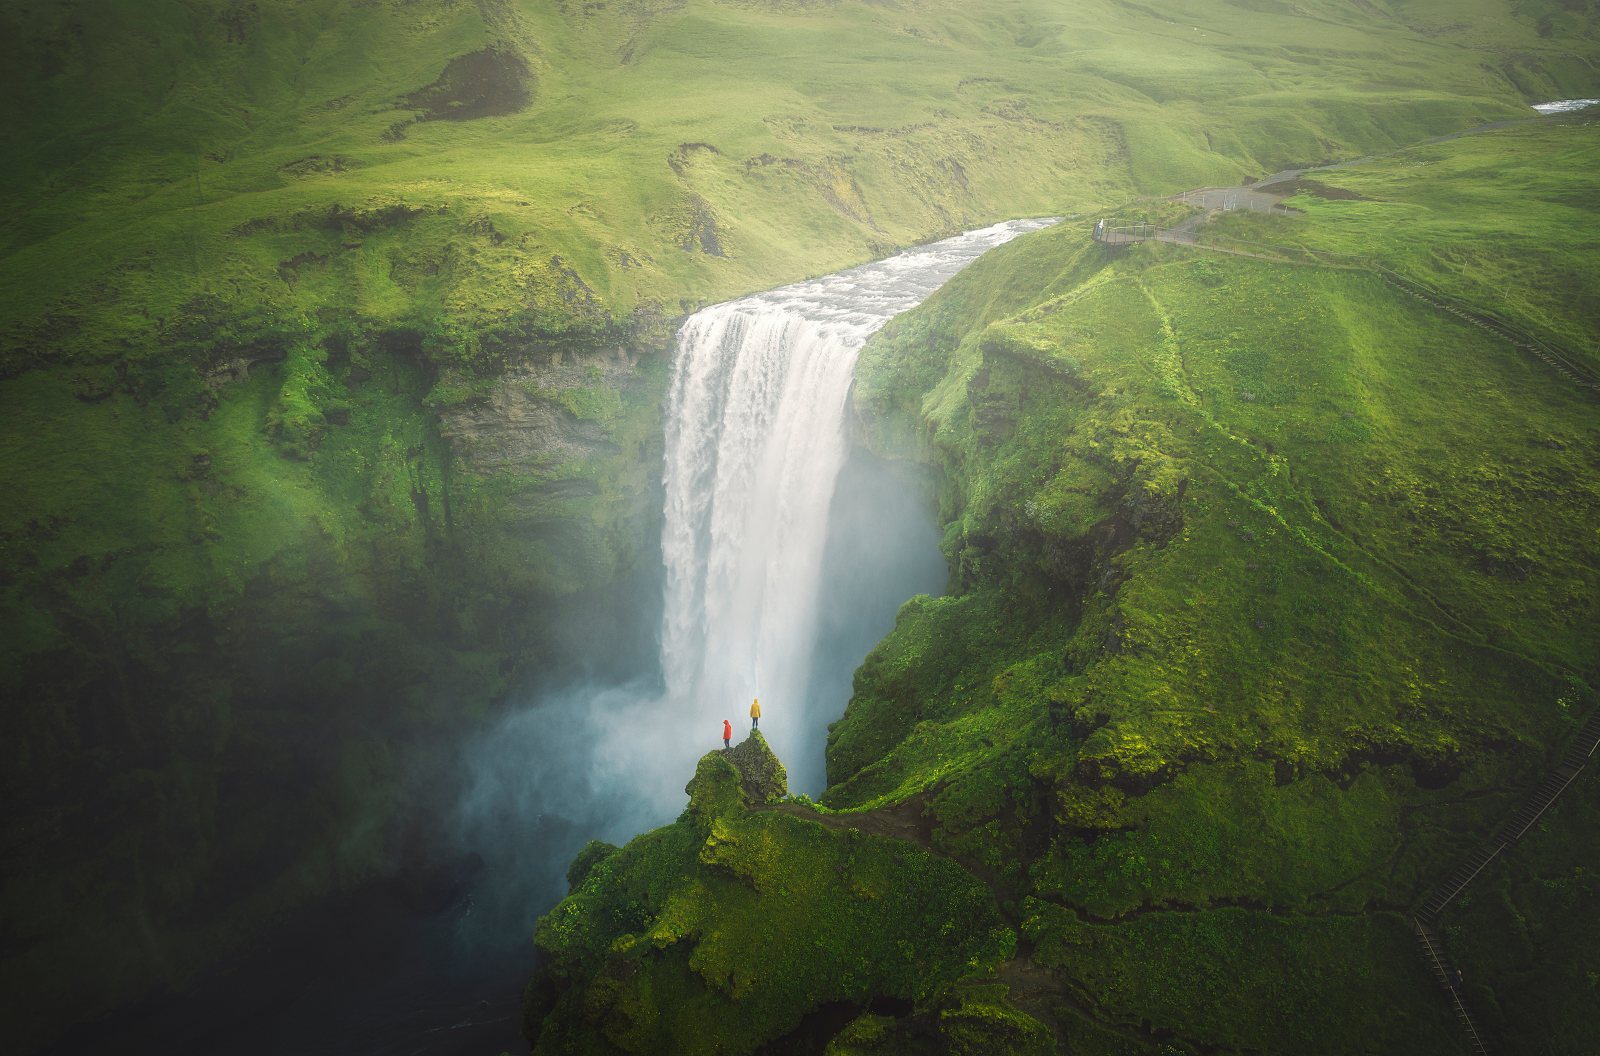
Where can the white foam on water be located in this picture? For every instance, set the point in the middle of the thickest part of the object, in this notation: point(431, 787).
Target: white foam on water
point(1563, 106)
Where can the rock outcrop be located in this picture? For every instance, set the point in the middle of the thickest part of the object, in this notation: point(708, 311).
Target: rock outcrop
point(763, 776)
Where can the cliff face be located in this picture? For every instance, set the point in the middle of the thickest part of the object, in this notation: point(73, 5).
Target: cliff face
point(747, 922)
point(256, 617)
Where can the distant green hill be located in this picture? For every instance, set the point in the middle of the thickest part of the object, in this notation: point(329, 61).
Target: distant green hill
point(332, 346)
point(422, 163)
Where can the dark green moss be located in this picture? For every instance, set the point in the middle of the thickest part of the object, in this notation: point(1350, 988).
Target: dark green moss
point(721, 932)
point(1227, 977)
point(594, 852)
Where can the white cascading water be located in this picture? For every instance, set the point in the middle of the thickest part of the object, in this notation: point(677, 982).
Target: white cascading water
point(755, 441)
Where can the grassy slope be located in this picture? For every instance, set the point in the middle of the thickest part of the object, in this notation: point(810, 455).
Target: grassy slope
point(1449, 201)
point(1270, 598)
point(858, 127)
point(1303, 613)
point(212, 190)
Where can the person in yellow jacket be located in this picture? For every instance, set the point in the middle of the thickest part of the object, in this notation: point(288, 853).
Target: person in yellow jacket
point(755, 714)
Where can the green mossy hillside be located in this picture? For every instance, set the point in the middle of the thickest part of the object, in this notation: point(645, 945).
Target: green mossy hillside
point(1438, 214)
point(725, 930)
point(1273, 589)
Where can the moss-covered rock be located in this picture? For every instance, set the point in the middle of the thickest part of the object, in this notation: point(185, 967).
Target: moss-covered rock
point(594, 852)
point(724, 931)
point(716, 789)
point(763, 776)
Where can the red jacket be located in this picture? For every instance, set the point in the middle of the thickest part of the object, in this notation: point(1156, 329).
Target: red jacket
point(727, 730)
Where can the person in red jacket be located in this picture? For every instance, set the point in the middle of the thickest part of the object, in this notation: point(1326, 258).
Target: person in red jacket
point(727, 734)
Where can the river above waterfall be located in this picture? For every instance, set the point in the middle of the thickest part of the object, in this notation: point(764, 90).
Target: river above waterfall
point(1565, 106)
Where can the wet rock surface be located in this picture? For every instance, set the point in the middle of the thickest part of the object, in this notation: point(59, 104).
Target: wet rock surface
point(762, 775)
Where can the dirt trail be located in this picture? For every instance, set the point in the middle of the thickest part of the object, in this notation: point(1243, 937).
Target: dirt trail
point(905, 820)
point(1293, 174)
point(1213, 200)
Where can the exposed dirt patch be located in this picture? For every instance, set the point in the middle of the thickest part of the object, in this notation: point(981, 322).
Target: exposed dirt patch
point(678, 161)
point(1315, 189)
point(289, 270)
point(340, 219)
point(488, 83)
point(316, 165)
point(700, 231)
point(907, 820)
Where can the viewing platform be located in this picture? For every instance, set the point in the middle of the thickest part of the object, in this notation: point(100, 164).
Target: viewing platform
point(1113, 232)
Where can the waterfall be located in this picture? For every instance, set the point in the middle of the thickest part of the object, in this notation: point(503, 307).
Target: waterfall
point(754, 446)
point(755, 441)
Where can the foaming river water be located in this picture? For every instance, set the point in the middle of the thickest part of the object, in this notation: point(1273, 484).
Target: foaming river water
point(1565, 106)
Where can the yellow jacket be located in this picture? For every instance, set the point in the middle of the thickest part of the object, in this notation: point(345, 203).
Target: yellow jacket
point(755, 708)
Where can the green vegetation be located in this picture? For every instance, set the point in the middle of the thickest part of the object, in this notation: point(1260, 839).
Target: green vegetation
point(1437, 214)
point(1270, 595)
point(1256, 981)
point(252, 168)
point(722, 931)
point(1525, 937)
point(331, 362)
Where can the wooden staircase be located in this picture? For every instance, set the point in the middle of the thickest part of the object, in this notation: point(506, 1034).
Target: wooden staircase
point(1562, 362)
point(1433, 953)
point(1579, 754)
point(1583, 749)
point(1465, 872)
point(1586, 745)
